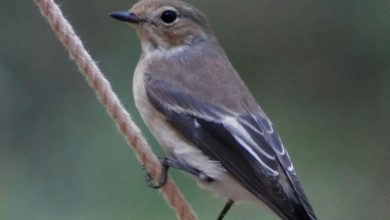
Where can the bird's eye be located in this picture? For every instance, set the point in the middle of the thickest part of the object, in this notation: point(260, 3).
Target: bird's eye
point(168, 16)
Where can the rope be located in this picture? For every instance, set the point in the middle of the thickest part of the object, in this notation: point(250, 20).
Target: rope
point(109, 99)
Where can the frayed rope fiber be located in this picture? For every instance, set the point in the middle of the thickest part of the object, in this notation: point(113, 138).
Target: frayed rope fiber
point(109, 99)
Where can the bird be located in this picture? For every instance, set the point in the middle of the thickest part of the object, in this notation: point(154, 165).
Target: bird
point(202, 113)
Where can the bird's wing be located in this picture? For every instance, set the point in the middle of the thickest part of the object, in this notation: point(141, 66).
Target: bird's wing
point(245, 144)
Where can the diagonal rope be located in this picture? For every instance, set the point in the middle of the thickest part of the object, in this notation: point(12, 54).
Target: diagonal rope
point(109, 99)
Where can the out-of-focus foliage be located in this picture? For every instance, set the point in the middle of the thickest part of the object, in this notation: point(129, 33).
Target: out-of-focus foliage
point(320, 69)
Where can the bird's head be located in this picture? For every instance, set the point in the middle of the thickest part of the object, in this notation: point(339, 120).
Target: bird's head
point(165, 24)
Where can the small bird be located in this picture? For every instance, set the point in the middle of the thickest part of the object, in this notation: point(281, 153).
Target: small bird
point(203, 115)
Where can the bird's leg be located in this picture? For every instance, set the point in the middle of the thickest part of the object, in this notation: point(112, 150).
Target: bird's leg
point(165, 165)
point(225, 209)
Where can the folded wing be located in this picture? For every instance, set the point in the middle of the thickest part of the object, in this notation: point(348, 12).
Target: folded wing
point(245, 143)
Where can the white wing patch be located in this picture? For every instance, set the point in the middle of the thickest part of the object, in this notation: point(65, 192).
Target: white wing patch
point(243, 137)
point(290, 168)
point(266, 124)
point(280, 151)
point(260, 132)
point(197, 125)
point(180, 110)
point(265, 121)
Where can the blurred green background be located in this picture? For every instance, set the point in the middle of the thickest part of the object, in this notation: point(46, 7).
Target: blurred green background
point(320, 69)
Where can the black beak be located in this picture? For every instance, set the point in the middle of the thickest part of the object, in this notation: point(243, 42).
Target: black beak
point(126, 16)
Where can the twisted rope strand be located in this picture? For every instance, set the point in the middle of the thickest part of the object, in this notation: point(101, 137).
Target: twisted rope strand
point(109, 99)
